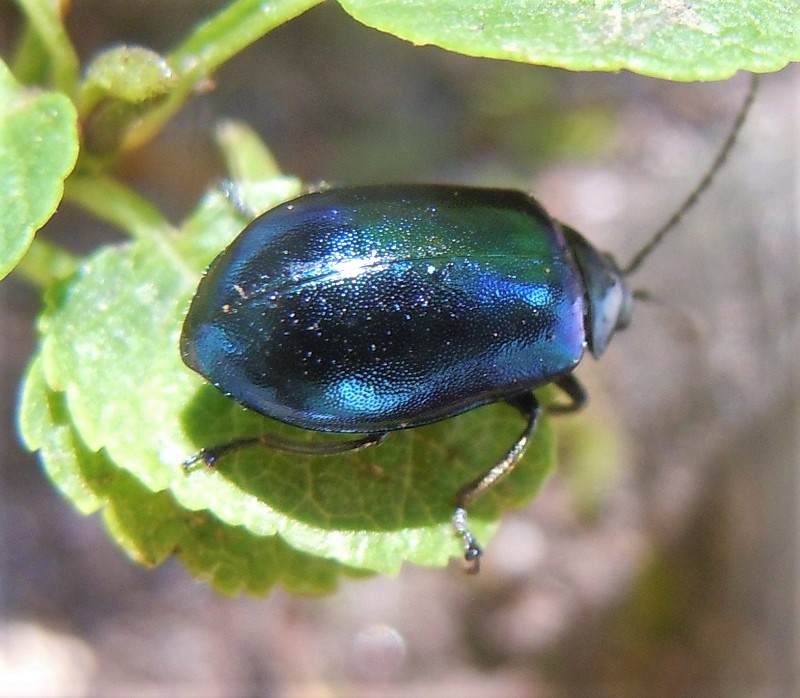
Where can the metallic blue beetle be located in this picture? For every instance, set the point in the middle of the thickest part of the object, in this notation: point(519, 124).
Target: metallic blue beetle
point(371, 309)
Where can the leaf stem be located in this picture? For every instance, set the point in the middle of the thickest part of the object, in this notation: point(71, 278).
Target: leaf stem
point(44, 18)
point(117, 204)
point(44, 263)
point(212, 43)
point(30, 64)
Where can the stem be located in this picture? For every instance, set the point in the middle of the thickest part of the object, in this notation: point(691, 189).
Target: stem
point(44, 263)
point(45, 19)
point(211, 44)
point(237, 26)
point(30, 64)
point(113, 202)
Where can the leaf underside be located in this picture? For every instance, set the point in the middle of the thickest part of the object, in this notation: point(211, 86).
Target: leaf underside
point(672, 39)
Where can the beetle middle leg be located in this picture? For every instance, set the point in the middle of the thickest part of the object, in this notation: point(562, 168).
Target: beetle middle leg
point(575, 392)
point(208, 456)
point(527, 404)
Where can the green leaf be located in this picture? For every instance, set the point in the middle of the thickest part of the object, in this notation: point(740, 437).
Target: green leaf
point(151, 526)
point(110, 344)
point(38, 149)
point(702, 40)
point(45, 428)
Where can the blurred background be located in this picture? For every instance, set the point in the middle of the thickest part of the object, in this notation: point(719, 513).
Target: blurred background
point(662, 554)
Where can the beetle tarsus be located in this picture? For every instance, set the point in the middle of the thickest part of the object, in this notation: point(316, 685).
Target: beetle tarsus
point(204, 457)
point(472, 551)
point(527, 405)
point(472, 559)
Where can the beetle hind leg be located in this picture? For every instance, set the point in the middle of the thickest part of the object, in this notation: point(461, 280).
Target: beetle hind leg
point(208, 456)
point(525, 403)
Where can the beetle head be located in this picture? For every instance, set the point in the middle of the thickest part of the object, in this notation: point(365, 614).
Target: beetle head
point(609, 300)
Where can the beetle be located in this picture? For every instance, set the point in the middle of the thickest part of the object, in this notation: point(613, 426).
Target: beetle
point(371, 309)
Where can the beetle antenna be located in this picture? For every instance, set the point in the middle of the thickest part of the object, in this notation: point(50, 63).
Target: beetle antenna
point(691, 200)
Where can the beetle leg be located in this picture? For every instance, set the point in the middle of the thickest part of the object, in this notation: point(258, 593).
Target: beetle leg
point(575, 392)
point(208, 456)
point(525, 403)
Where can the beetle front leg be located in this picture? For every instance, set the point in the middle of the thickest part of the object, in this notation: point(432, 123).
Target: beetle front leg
point(526, 404)
point(208, 456)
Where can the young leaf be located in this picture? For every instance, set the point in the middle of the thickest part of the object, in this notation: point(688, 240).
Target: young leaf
point(122, 85)
point(38, 149)
point(130, 73)
point(707, 40)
